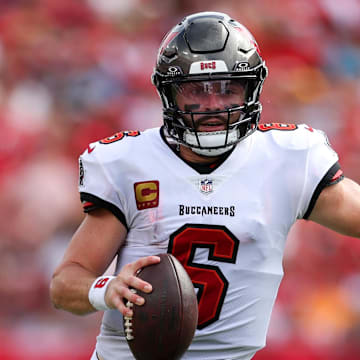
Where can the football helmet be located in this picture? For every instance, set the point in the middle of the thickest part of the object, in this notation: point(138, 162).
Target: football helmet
point(209, 55)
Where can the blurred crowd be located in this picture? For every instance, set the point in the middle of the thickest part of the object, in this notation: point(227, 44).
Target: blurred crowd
point(73, 72)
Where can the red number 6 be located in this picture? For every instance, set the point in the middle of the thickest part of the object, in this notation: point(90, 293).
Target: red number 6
point(209, 279)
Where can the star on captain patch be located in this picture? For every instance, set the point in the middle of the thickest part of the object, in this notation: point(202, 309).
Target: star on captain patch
point(206, 186)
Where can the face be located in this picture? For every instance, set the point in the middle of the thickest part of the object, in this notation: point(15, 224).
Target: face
point(215, 95)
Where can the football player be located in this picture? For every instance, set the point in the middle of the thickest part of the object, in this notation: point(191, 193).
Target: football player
point(211, 186)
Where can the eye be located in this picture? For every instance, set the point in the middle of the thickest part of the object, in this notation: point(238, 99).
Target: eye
point(196, 90)
point(230, 92)
point(235, 90)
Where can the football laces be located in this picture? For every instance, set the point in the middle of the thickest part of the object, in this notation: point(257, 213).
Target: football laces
point(128, 320)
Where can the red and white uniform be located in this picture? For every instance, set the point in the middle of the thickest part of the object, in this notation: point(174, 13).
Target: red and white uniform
point(228, 227)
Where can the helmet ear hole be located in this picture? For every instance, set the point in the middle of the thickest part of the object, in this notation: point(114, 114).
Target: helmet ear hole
point(206, 47)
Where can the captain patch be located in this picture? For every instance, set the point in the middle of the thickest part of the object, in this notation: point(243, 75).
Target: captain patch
point(147, 194)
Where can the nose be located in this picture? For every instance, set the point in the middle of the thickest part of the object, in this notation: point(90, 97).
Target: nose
point(213, 102)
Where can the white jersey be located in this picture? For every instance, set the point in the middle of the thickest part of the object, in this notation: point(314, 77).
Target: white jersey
point(228, 227)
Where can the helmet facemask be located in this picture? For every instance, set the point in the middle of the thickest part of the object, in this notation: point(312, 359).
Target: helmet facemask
point(208, 116)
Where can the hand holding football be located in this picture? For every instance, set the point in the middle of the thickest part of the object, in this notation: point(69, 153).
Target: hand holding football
point(163, 328)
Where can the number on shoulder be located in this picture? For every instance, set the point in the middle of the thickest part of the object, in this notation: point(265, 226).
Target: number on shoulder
point(277, 126)
point(119, 136)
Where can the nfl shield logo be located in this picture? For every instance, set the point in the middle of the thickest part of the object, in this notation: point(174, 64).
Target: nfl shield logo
point(206, 186)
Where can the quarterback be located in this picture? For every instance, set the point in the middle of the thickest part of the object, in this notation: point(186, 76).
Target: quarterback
point(212, 186)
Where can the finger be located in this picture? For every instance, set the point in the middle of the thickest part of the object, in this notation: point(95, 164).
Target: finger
point(133, 281)
point(120, 291)
point(144, 261)
point(139, 284)
point(131, 295)
point(123, 299)
point(119, 304)
point(123, 292)
point(127, 277)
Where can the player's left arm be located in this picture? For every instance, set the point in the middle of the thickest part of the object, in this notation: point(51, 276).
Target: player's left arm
point(338, 208)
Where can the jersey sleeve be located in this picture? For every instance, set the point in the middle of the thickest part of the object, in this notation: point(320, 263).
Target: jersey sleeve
point(322, 169)
point(96, 188)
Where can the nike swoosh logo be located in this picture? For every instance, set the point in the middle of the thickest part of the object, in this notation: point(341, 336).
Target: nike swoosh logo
point(89, 149)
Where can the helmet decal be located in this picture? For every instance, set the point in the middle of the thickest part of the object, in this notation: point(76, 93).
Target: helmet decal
point(242, 66)
point(208, 66)
point(174, 71)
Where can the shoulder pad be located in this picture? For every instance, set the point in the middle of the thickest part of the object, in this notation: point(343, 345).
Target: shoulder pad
point(295, 137)
point(111, 147)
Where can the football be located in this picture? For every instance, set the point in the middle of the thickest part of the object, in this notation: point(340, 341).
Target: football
point(163, 328)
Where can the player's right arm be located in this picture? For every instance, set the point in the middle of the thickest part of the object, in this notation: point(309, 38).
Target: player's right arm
point(90, 252)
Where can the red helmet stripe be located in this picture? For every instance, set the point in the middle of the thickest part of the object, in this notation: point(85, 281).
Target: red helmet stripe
point(166, 41)
point(244, 30)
